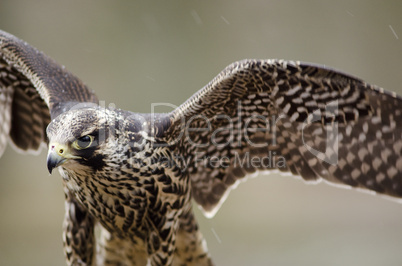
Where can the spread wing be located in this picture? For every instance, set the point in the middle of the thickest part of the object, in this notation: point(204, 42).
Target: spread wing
point(303, 119)
point(33, 89)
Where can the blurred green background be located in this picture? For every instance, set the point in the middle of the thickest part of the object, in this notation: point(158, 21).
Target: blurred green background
point(134, 53)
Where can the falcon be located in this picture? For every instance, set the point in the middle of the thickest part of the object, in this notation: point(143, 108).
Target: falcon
point(134, 175)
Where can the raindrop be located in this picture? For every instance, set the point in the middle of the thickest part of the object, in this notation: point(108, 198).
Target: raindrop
point(393, 31)
point(350, 13)
point(216, 235)
point(196, 17)
point(225, 20)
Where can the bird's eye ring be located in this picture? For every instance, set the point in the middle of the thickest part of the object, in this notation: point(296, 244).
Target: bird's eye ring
point(83, 142)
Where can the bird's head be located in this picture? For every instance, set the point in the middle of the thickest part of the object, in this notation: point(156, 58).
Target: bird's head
point(79, 138)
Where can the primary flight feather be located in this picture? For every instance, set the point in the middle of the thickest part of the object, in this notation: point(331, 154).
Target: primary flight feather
point(134, 175)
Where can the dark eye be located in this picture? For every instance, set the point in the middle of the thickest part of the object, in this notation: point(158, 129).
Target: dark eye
point(84, 142)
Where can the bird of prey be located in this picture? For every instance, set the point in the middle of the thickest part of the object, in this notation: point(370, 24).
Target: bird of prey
point(134, 175)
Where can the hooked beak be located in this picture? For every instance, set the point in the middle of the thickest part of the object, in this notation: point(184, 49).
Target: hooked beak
point(57, 155)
